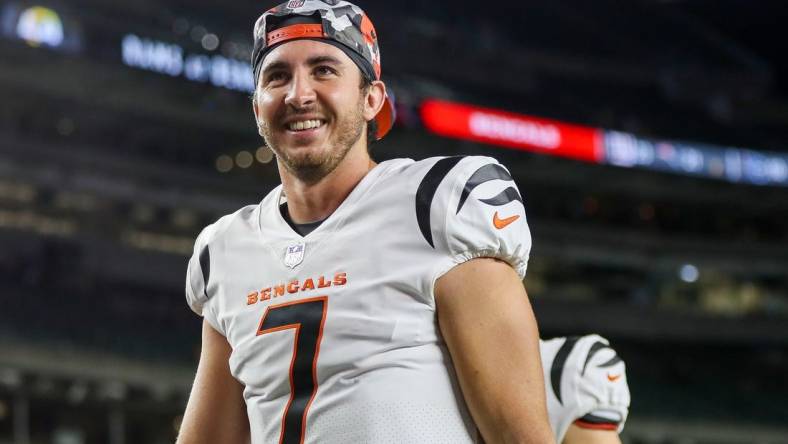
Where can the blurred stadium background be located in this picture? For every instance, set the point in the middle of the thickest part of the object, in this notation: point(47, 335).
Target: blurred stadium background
point(649, 138)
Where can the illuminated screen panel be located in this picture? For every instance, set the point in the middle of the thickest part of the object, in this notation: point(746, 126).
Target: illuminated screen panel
point(512, 130)
point(697, 159)
point(173, 60)
point(596, 145)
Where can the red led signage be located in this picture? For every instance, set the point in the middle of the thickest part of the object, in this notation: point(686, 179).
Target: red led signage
point(512, 130)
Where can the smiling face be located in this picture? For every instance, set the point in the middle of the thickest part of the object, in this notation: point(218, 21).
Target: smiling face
point(311, 108)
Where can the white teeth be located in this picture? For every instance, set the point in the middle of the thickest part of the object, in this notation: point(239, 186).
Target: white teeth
point(304, 125)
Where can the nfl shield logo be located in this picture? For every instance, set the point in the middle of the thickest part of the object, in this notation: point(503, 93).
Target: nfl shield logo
point(294, 254)
point(295, 4)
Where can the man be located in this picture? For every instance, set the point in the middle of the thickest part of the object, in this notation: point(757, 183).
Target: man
point(360, 303)
point(587, 393)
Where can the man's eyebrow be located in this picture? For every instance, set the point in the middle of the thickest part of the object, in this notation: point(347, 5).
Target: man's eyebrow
point(312, 61)
point(275, 66)
point(318, 60)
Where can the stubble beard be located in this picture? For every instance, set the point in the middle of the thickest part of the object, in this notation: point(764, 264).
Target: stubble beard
point(312, 166)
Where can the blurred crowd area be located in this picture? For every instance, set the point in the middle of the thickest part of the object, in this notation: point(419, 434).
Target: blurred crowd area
point(126, 128)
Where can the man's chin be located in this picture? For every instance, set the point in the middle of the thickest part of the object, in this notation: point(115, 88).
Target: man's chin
point(307, 154)
point(308, 158)
point(309, 170)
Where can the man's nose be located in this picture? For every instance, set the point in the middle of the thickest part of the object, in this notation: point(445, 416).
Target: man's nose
point(301, 92)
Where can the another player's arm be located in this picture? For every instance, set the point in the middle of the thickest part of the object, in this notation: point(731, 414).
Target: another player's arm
point(489, 327)
point(216, 412)
point(601, 388)
point(579, 435)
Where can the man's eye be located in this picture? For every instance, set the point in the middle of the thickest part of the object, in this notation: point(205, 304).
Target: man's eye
point(324, 70)
point(275, 77)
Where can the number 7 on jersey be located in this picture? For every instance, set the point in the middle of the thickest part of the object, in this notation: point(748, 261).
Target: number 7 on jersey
point(306, 317)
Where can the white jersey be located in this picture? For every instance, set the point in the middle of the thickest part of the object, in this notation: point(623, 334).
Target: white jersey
point(334, 334)
point(586, 384)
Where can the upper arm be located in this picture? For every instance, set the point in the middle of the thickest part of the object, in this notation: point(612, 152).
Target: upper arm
point(579, 435)
point(471, 212)
point(489, 328)
point(216, 412)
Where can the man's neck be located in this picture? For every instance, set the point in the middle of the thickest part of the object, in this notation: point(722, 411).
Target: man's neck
point(309, 202)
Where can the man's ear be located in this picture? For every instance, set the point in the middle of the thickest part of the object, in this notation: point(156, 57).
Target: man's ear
point(376, 95)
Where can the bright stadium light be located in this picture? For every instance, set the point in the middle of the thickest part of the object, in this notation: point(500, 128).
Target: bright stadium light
point(224, 163)
point(40, 26)
point(244, 159)
point(264, 154)
point(210, 41)
point(689, 273)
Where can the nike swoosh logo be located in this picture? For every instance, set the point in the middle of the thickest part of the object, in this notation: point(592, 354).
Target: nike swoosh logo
point(613, 378)
point(502, 223)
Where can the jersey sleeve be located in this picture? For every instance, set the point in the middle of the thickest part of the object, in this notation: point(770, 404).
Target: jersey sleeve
point(602, 392)
point(197, 279)
point(479, 212)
